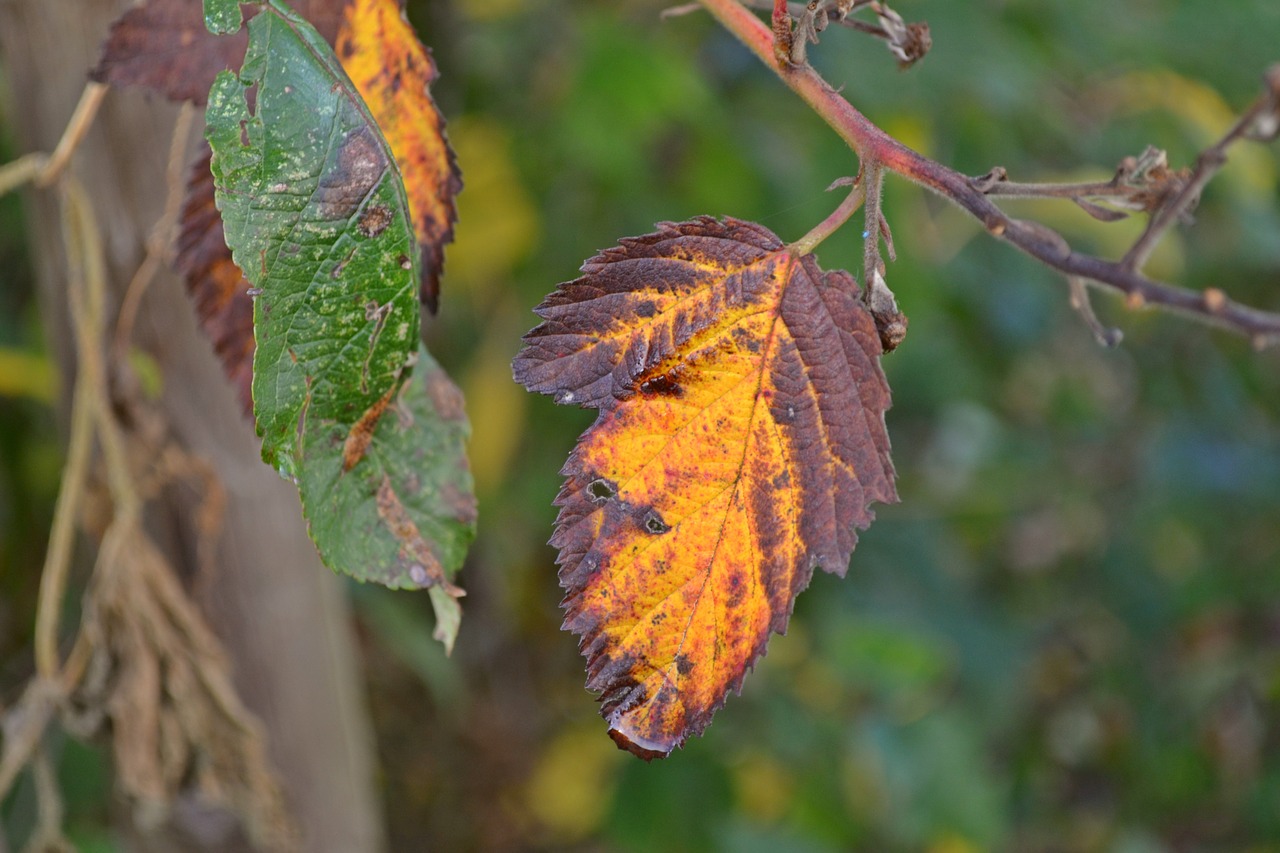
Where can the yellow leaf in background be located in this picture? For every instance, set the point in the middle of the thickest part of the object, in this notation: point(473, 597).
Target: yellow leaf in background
point(25, 374)
point(501, 222)
point(571, 786)
point(498, 408)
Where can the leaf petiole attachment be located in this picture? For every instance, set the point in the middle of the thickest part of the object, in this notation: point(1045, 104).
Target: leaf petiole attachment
point(824, 229)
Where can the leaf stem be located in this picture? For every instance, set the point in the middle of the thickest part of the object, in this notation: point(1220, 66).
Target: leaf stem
point(824, 229)
point(869, 142)
point(873, 179)
point(81, 120)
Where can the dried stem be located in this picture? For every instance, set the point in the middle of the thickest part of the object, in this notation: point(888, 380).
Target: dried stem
point(81, 120)
point(1105, 336)
point(20, 171)
point(88, 287)
point(57, 563)
point(1207, 165)
point(161, 237)
point(49, 808)
point(1086, 189)
point(24, 726)
point(1042, 243)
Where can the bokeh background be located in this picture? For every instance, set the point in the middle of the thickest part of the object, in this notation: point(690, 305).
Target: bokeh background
point(1065, 637)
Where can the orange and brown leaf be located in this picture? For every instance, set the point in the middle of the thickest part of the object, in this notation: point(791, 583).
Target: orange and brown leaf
point(740, 442)
point(163, 46)
point(215, 284)
point(393, 71)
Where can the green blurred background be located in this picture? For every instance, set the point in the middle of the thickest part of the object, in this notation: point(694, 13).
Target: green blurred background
point(1066, 636)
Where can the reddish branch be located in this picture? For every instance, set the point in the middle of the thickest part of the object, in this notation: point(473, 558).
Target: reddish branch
point(876, 148)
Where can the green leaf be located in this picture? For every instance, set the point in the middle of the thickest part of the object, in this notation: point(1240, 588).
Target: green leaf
point(347, 404)
point(404, 515)
point(222, 17)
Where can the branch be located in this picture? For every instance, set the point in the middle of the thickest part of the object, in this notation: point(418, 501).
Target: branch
point(873, 145)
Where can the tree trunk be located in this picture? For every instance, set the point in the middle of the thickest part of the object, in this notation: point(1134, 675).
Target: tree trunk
point(282, 616)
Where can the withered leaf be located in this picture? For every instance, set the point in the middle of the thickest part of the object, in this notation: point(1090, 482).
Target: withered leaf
point(163, 46)
point(740, 441)
point(214, 282)
point(392, 70)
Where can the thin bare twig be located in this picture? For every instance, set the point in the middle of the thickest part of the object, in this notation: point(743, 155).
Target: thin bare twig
point(49, 808)
point(24, 726)
point(161, 237)
point(1104, 335)
point(1040, 242)
point(81, 120)
point(86, 275)
point(57, 562)
point(20, 171)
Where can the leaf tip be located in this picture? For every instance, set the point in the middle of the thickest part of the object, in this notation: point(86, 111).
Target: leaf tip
point(222, 17)
point(448, 616)
point(639, 746)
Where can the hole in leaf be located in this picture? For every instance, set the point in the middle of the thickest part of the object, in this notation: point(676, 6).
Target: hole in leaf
point(601, 490)
point(654, 523)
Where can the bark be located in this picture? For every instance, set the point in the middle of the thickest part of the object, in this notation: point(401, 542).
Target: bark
point(281, 615)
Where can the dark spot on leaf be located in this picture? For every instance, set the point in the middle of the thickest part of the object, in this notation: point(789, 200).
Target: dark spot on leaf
point(735, 591)
point(683, 665)
point(359, 165)
point(663, 384)
point(374, 220)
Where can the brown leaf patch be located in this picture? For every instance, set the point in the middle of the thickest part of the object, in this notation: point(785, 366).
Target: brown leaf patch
point(357, 442)
point(163, 46)
point(425, 567)
point(220, 291)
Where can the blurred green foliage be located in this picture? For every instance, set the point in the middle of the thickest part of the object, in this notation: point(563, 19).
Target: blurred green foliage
point(1067, 635)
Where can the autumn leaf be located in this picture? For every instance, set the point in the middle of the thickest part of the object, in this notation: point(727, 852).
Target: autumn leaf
point(393, 70)
point(348, 404)
point(164, 47)
point(740, 441)
point(214, 282)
